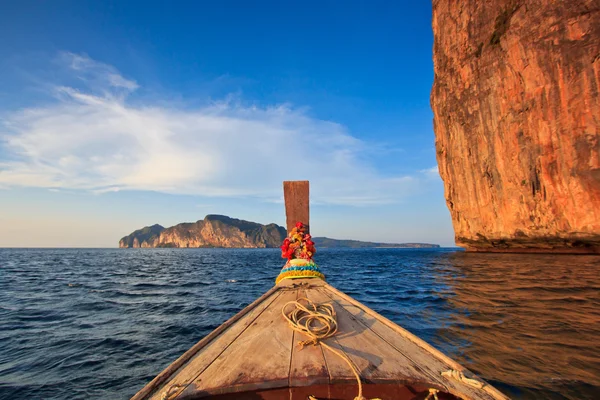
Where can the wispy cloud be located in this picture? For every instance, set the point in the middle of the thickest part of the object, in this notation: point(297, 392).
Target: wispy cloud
point(431, 173)
point(92, 138)
point(95, 73)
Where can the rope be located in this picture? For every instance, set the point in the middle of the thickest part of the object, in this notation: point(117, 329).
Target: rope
point(317, 321)
point(432, 392)
point(168, 395)
point(459, 376)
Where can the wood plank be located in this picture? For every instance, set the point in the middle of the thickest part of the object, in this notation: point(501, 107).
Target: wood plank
point(338, 369)
point(308, 366)
point(392, 338)
point(296, 196)
point(306, 283)
point(376, 360)
point(419, 352)
point(418, 357)
point(257, 359)
point(209, 348)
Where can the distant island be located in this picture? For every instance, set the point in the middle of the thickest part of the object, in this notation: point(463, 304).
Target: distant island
point(226, 232)
point(325, 242)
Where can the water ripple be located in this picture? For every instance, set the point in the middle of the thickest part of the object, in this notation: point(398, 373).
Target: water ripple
point(85, 323)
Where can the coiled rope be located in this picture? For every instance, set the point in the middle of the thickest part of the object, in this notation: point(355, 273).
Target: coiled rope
point(318, 322)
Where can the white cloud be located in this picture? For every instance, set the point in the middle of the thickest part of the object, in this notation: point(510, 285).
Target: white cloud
point(93, 139)
point(431, 173)
point(95, 73)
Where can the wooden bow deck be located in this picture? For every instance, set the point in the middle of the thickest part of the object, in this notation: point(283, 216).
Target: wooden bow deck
point(255, 355)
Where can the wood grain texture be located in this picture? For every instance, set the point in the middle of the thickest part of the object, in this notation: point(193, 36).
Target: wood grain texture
point(258, 359)
point(230, 327)
point(375, 359)
point(338, 369)
point(256, 350)
point(296, 196)
point(424, 356)
point(308, 365)
point(419, 358)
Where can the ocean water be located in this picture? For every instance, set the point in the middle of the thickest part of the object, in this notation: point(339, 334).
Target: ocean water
point(101, 323)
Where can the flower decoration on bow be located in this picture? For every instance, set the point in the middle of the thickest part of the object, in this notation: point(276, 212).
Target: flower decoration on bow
point(298, 244)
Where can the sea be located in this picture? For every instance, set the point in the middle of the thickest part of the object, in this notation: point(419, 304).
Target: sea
point(101, 323)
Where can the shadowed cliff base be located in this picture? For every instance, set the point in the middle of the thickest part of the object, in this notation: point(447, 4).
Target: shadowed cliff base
point(546, 244)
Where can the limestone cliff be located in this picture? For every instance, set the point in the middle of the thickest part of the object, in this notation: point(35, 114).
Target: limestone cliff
point(517, 117)
point(142, 236)
point(213, 231)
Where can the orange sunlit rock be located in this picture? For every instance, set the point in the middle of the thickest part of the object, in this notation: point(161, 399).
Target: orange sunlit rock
point(517, 119)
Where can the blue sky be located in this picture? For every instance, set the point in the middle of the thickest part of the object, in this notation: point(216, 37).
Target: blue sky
point(117, 115)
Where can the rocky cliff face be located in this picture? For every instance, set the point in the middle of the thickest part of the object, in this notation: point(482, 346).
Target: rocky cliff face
point(517, 118)
point(213, 231)
point(142, 236)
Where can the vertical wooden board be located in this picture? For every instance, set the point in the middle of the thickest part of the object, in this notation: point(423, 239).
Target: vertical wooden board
point(308, 365)
point(296, 196)
point(422, 359)
point(190, 371)
point(376, 360)
point(257, 359)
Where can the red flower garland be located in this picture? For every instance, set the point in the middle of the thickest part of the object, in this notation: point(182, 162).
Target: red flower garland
point(298, 244)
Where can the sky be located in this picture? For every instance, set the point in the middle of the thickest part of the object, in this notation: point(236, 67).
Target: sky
point(117, 115)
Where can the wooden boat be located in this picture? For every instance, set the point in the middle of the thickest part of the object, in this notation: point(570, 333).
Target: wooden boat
point(254, 355)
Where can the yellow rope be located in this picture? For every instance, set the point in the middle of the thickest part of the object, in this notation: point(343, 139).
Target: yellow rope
point(432, 394)
point(317, 321)
point(459, 376)
point(169, 394)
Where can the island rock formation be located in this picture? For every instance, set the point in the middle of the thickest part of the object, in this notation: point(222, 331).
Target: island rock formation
point(213, 231)
point(222, 231)
point(142, 237)
point(516, 117)
point(325, 242)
